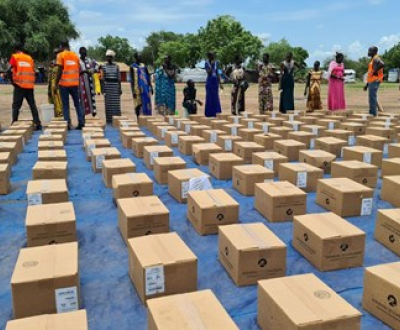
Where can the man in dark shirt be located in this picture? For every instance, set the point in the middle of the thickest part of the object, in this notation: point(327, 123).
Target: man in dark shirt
point(189, 99)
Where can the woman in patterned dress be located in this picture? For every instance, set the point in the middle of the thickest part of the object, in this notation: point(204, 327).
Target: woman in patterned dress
point(165, 88)
point(54, 95)
point(313, 87)
point(87, 93)
point(266, 74)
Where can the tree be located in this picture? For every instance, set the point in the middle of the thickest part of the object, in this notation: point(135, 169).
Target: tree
point(40, 25)
point(228, 38)
point(391, 57)
point(121, 46)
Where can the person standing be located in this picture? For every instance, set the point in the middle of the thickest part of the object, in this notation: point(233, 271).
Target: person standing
point(142, 89)
point(213, 83)
point(374, 79)
point(110, 77)
point(22, 67)
point(239, 87)
point(165, 87)
point(265, 77)
point(68, 82)
point(54, 94)
point(286, 83)
point(87, 92)
point(313, 87)
point(336, 97)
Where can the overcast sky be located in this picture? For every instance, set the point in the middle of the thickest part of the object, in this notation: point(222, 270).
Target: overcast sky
point(321, 27)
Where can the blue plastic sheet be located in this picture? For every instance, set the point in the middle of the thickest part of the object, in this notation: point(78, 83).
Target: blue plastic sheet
point(106, 290)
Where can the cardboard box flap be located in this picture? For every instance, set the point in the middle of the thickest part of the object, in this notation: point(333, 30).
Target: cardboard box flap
point(269, 155)
point(40, 165)
point(169, 160)
point(46, 262)
point(50, 213)
point(213, 198)
point(373, 138)
point(307, 300)
point(291, 143)
point(199, 310)
point(144, 139)
point(186, 174)
point(318, 153)
point(161, 249)
point(252, 169)
point(105, 151)
point(346, 185)
point(282, 188)
point(4, 168)
point(52, 153)
point(362, 149)
point(389, 272)
point(393, 214)
point(206, 146)
point(119, 162)
point(299, 167)
point(46, 186)
point(147, 205)
point(158, 149)
point(354, 164)
point(331, 140)
point(225, 156)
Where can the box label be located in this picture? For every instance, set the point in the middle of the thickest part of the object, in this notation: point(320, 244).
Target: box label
point(171, 120)
point(174, 138)
point(35, 199)
point(234, 131)
point(297, 112)
point(301, 180)
point(155, 280)
point(236, 120)
point(315, 130)
point(179, 124)
point(273, 115)
point(352, 140)
point(291, 117)
point(312, 143)
point(331, 125)
point(90, 149)
point(187, 128)
point(99, 161)
point(387, 125)
point(153, 154)
point(265, 128)
point(246, 115)
point(185, 189)
point(341, 153)
point(163, 130)
point(364, 117)
point(366, 206)
point(228, 145)
point(386, 148)
point(367, 156)
point(47, 133)
point(269, 163)
point(67, 299)
point(200, 183)
point(250, 124)
point(296, 127)
point(87, 136)
point(213, 137)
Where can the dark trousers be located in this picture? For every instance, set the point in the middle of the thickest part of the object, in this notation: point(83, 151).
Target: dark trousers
point(373, 97)
point(74, 92)
point(18, 98)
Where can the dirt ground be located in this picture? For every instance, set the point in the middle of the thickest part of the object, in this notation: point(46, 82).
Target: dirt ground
point(356, 99)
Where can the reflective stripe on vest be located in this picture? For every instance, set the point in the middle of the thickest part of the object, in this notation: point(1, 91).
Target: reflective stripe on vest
point(70, 74)
point(24, 74)
point(371, 78)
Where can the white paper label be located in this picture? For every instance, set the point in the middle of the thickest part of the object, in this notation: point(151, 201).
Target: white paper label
point(171, 120)
point(185, 189)
point(265, 128)
point(187, 128)
point(67, 299)
point(366, 206)
point(99, 161)
point(312, 143)
point(352, 140)
point(302, 180)
point(87, 136)
point(47, 133)
point(387, 125)
point(155, 280)
point(364, 117)
point(174, 138)
point(124, 124)
point(179, 124)
point(297, 112)
point(367, 157)
point(200, 183)
point(35, 199)
point(234, 131)
point(341, 153)
point(315, 131)
point(90, 148)
point(291, 117)
point(295, 127)
point(246, 115)
point(273, 115)
point(213, 137)
point(228, 145)
point(250, 124)
point(391, 116)
point(236, 120)
point(388, 121)
point(331, 125)
point(153, 154)
point(163, 131)
point(269, 163)
point(386, 148)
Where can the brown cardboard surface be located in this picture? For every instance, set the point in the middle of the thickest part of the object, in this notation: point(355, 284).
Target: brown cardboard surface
point(372, 141)
point(283, 131)
point(53, 137)
point(267, 140)
point(178, 182)
point(18, 139)
point(150, 153)
point(317, 158)
point(357, 171)
point(199, 129)
point(116, 166)
point(101, 154)
point(50, 224)
point(363, 154)
point(5, 174)
point(251, 252)
point(331, 145)
point(139, 143)
point(387, 229)
point(387, 133)
point(209, 209)
point(264, 126)
point(307, 138)
point(221, 164)
point(47, 192)
point(302, 175)
point(202, 152)
point(270, 160)
point(394, 150)
point(248, 133)
point(126, 138)
point(49, 170)
point(232, 129)
point(329, 124)
point(245, 150)
point(356, 128)
point(172, 138)
point(227, 142)
point(186, 143)
point(91, 144)
point(217, 124)
point(289, 148)
point(5, 158)
point(131, 185)
point(317, 130)
point(390, 166)
point(161, 130)
point(52, 155)
point(162, 165)
point(244, 177)
point(50, 145)
point(390, 189)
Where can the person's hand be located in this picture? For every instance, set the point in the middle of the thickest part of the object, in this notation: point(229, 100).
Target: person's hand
point(365, 88)
point(200, 103)
point(120, 92)
point(152, 91)
point(375, 73)
point(134, 95)
point(305, 93)
point(221, 86)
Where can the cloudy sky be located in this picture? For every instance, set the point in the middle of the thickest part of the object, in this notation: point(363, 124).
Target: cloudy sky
point(321, 27)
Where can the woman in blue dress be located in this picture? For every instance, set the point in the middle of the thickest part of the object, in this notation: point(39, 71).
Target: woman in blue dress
point(213, 83)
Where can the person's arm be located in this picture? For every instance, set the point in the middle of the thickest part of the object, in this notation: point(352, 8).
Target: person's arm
point(208, 68)
point(218, 75)
point(149, 80)
point(282, 69)
point(378, 65)
point(132, 75)
point(307, 83)
point(119, 80)
point(60, 64)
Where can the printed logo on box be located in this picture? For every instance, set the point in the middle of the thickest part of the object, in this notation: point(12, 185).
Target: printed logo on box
point(262, 263)
point(392, 300)
point(321, 294)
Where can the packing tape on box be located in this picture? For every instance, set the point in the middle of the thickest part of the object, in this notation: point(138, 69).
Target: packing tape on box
point(189, 313)
point(254, 237)
point(133, 176)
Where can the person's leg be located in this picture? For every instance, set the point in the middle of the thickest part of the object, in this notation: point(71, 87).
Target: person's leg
point(137, 110)
point(30, 98)
point(65, 103)
point(372, 96)
point(79, 111)
point(18, 98)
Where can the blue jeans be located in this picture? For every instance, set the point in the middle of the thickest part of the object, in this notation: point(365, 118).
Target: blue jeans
point(74, 92)
point(373, 97)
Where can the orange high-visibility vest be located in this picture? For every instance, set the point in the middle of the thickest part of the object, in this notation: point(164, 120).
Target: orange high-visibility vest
point(24, 73)
point(371, 78)
point(70, 74)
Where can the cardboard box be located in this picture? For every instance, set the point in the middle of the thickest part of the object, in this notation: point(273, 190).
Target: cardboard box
point(394, 150)
point(57, 131)
point(150, 123)
point(116, 119)
point(85, 136)
point(92, 144)
point(178, 123)
point(50, 170)
point(199, 129)
point(202, 152)
point(342, 134)
point(68, 321)
point(245, 150)
point(248, 122)
point(244, 177)
point(196, 117)
point(186, 143)
point(387, 229)
point(152, 152)
point(101, 154)
point(187, 125)
point(50, 145)
point(161, 265)
point(263, 126)
point(345, 197)
point(178, 182)
point(13, 131)
point(248, 133)
point(329, 124)
point(304, 137)
point(387, 133)
point(234, 119)
point(267, 140)
point(373, 141)
point(220, 115)
point(161, 130)
point(331, 145)
point(390, 189)
point(54, 137)
point(381, 292)
point(46, 280)
point(207, 120)
point(280, 201)
point(142, 120)
point(5, 174)
point(172, 138)
point(221, 164)
point(390, 166)
point(307, 120)
point(317, 130)
point(354, 127)
point(155, 126)
point(260, 118)
point(142, 216)
point(278, 121)
point(283, 131)
point(50, 224)
point(289, 148)
point(328, 241)
point(162, 165)
point(227, 142)
point(270, 160)
point(217, 124)
point(47, 192)
point(18, 139)
point(295, 125)
point(211, 135)
point(209, 209)
point(363, 154)
point(126, 138)
point(251, 252)
point(302, 175)
point(5, 158)
point(232, 129)
point(138, 145)
point(303, 302)
point(117, 166)
point(10, 147)
point(318, 158)
point(175, 312)
point(52, 156)
point(357, 171)
point(131, 185)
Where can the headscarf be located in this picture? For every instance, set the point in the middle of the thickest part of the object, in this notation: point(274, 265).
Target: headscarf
point(110, 53)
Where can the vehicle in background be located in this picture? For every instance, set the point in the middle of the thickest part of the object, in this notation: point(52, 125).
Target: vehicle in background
point(350, 76)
